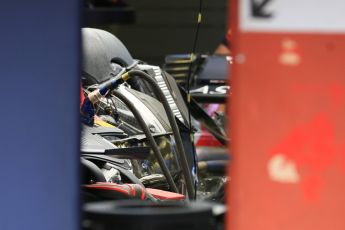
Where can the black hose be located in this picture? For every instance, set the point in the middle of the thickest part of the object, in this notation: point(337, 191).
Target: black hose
point(179, 144)
point(149, 137)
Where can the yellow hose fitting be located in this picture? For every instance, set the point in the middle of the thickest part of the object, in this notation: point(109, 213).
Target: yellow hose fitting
point(125, 76)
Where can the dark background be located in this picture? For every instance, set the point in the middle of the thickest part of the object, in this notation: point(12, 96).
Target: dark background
point(168, 26)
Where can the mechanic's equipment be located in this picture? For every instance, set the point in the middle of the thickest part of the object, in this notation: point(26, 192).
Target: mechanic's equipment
point(87, 108)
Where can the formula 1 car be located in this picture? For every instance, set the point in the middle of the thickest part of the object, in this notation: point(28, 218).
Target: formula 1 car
point(136, 134)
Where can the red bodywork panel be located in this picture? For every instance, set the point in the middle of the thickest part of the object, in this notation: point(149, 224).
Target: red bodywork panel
point(132, 191)
point(206, 139)
point(164, 195)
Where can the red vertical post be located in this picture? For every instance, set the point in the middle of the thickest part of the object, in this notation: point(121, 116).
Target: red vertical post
point(287, 115)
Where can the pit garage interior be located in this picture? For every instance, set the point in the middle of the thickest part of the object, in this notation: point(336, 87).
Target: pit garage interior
point(156, 114)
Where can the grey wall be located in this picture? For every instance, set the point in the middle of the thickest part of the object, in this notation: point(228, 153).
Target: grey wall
point(168, 26)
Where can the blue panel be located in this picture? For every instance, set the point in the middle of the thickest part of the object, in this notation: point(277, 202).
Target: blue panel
point(39, 134)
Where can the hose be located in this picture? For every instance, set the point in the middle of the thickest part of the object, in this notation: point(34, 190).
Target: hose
point(150, 138)
point(176, 132)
